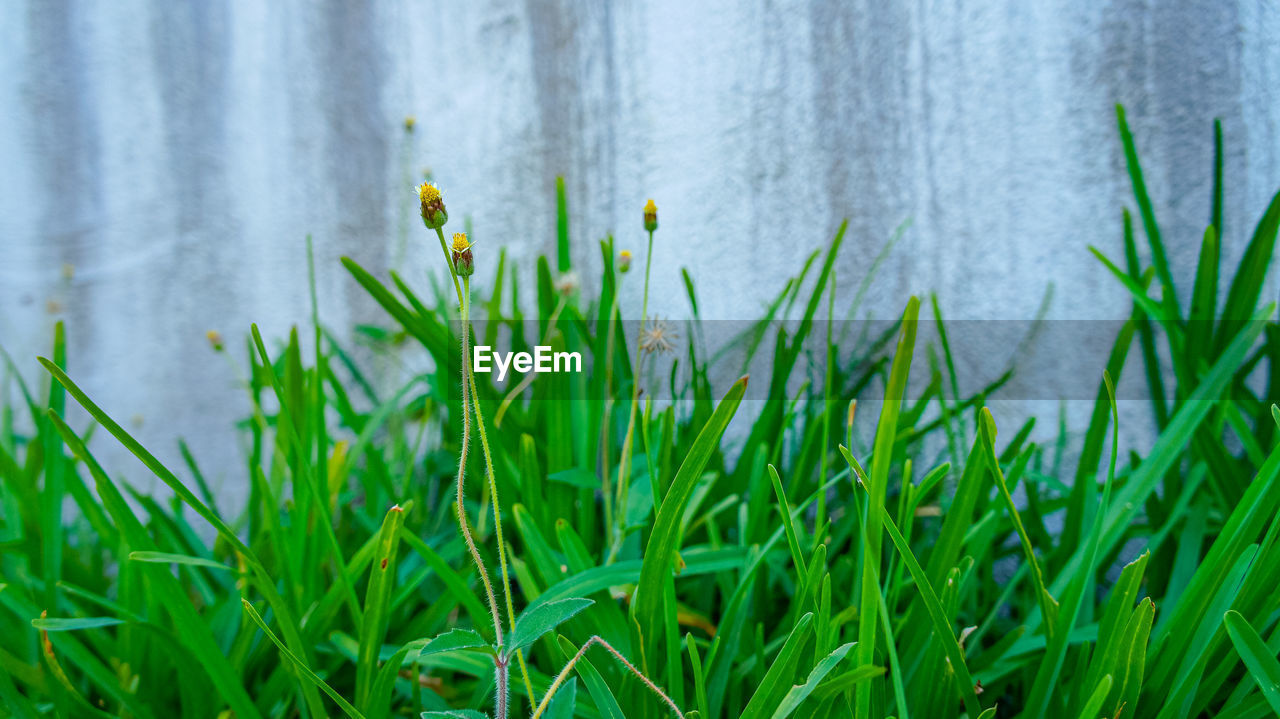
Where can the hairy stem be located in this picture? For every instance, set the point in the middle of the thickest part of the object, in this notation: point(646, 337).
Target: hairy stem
point(502, 673)
point(564, 674)
point(462, 483)
point(468, 394)
point(493, 492)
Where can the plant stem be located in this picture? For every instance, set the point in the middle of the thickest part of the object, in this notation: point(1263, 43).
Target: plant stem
point(606, 488)
point(453, 272)
point(502, 673)
point(462, 478)
point(564, 674)
point(624, 460)
point(469, 387)
point(493, 492)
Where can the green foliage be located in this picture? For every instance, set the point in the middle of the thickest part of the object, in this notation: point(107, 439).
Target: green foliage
point(650, 557)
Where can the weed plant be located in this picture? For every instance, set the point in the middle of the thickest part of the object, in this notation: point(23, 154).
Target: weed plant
point(453, 548)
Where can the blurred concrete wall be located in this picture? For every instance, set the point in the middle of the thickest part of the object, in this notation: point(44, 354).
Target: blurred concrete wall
point(162, 162)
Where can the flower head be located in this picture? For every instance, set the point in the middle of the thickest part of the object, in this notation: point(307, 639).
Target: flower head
point(433, 212)
point(624, 261)
point(658, 336)
point(567, 283)
point(215, 340)
point(409, 122)
point(650, 215)
point(463, 262)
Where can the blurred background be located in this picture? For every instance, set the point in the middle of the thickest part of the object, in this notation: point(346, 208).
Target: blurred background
point(163, 162)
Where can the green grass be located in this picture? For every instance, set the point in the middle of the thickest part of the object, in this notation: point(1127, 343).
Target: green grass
point(640, 564)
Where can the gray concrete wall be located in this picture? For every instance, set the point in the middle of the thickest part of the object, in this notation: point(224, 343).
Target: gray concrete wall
point(176, 154)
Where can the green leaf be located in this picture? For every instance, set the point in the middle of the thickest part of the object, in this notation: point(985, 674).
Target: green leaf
point(1048, 605)
point(1148, 215)
point(799, 693)
point(1257, 656)
point(941, 625)
point(576, 477)
point(646, 604)
point(600, 693)
point(68, 624)
point(1246, 286)
point(1133, 661)
point(784, 509)
point(1132, 496)
point(377, 603)
point(455, 714)
point(699, 678)
point(303, 670)
point(533, 622)
point(769, 692)
point(876, 487)
point(1204, 297)
point(195, 634)
point(453, 641)
point(562, 227)
point(1096, 699)
point(562, 704)
point(167, 558)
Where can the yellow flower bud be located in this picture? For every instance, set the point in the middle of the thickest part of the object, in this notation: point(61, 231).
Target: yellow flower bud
point(624, 261)
point(650, 216)
point(433, 212)
point(463, 262)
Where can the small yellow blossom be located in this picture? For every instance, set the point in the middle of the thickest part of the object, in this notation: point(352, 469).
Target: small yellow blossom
point(433, 213)
point(463, 261)
point(650, 215)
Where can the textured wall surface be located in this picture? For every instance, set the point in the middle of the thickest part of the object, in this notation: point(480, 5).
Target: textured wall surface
point(163, 161)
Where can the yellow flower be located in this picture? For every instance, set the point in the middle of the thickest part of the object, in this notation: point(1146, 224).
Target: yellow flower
point(463, 261)
point(433, 213)
point(650, 215)
point(624, 261)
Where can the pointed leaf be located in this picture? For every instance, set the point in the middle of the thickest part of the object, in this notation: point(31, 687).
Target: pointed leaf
point(536, 621)
point(1257, 656)
point(452, 641)
point(799, 693)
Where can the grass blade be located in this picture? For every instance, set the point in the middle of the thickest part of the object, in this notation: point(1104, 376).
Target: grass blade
point(646, 605)
point(302, 669)
point(881, 461)
point(1257, 656)
point(796, 696)
point(377, 603)
point(941, 626)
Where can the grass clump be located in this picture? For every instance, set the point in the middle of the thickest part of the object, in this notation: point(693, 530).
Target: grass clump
point(621, 558)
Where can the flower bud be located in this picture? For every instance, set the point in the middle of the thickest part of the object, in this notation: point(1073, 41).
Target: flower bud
point(215, 340)
point(650, 216)
point(463, 262)
point(433, 212)
point(624, 261)
point(409, 122)
point(567, 283)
